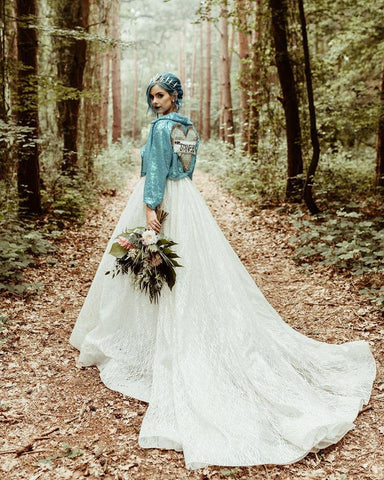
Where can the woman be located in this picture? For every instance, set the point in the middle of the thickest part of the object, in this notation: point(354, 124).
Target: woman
point(226, 380)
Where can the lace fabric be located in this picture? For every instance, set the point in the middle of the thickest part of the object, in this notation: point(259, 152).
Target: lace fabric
point(227, 381)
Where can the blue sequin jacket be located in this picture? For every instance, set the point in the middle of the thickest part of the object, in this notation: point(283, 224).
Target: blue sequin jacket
point(159, 160)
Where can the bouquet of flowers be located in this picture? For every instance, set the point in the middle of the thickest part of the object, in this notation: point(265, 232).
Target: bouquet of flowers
point(147, 257)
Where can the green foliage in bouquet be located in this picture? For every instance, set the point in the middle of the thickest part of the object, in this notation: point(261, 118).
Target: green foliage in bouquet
point(148, 258)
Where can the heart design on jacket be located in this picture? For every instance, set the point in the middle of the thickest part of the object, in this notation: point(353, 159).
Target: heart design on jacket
point(184, 144)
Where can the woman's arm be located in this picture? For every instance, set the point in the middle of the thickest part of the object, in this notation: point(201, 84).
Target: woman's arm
point(152, 220)
point(158, 156)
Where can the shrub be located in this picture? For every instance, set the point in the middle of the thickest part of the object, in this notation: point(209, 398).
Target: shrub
point(69, 198)
point(341, 175)
point(349, 236)
point(65, 199)
point(252, 181)
point(346, 241)
point(20, 243)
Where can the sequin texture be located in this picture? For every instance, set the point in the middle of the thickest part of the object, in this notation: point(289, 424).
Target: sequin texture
point(159, 161)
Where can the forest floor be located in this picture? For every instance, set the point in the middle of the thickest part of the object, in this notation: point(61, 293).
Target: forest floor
point(58, 421)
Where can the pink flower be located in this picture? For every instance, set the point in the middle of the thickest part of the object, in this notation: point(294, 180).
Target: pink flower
point(156, 260)
point(124, 243)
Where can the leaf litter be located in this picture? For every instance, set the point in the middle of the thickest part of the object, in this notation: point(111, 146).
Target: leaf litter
point(58, 420)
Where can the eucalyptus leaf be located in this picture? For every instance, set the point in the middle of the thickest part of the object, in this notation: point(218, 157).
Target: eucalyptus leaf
point(117, 250)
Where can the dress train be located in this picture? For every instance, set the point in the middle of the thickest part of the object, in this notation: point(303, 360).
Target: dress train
point(228, 382)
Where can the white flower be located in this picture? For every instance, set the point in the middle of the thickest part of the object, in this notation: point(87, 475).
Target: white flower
point(149, 237)
point(132, 253)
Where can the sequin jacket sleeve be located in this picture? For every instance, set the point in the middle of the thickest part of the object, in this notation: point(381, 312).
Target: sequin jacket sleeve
point(158, 157)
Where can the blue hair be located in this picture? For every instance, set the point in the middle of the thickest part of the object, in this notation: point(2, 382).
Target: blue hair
point(171, 84)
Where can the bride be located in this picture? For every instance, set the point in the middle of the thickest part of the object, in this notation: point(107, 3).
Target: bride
point(227, 381)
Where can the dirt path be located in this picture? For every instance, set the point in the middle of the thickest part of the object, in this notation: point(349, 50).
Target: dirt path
point(63, 423)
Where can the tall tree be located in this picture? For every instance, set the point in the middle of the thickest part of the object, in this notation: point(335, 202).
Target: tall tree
point(2, 62)
point(135, 84)
point(182, 60)
point(226, 77)
point(11, 57)
point(71, 63)
point(201, 79)
point(193, 74)
point(91, 111)
point(380, 135)
point(279, 16)
point(308, 197)
point(28, 174)
point(244, 40)
point(221, 102)
point(105, 84)
point(208, 81)
point(116, 74)
point(254, 81)
point(3, 108)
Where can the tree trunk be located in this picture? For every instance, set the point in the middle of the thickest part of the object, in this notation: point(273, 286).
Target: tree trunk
point(184, 60)
point(221, 109)
point(207, 111)
point(380, 136)
point(106, 69)
point(71, 64)
point(231, 44)
point(279, 14)
point(244, 39)
point(254, 82)
point(226, 77)
point(11, 58)
point(193, 76)
point(116, 74)
point(308, 198)
point(91, 111)
point(201, 108)
point(28, 174)
point(181, 69)
point(3, 107)
point(221, 98)
point(135, 85)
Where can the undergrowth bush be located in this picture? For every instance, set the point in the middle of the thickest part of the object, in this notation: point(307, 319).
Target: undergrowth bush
point(348, 236)
point(344, 175)
point(261, 181)
point(341, 174)
point(112, 167)
point(69, 198)
point(347, 240)
point(20, 244)
point(66, 201)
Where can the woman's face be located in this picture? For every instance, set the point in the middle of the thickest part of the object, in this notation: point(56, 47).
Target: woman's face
point(161, 100)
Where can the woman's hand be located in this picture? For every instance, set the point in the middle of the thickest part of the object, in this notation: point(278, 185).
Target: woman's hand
point(152, 220)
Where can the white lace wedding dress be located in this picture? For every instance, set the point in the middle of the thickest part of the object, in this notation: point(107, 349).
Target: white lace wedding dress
point(228, 382)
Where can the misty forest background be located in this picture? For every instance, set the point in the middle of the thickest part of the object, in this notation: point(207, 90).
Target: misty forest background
point(287, 97)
